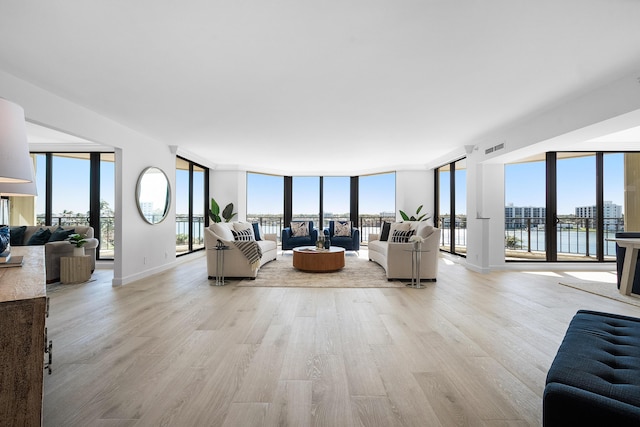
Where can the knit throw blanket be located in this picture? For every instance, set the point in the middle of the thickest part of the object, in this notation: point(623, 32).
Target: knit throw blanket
point(251, 250)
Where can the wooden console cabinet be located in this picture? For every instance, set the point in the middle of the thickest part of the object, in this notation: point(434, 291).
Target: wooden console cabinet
point(23, 305)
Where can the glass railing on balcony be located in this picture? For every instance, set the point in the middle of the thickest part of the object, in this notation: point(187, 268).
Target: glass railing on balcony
point(459, 233)
point(524, 237)
point(366, 223)
point(182, 233)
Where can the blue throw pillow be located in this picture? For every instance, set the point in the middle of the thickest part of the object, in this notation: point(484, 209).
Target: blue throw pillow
point(385, 232)
point(40, 237)
point(17, 235)
point(256, 230)
point(61, 234)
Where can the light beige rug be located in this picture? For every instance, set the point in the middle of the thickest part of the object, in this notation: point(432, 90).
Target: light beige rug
point(607, 290)
point(357, 273)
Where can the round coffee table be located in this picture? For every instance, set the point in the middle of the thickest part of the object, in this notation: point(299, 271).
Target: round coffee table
point(308, 258)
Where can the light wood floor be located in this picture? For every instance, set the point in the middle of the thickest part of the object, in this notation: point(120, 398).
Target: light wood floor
point(172, 350)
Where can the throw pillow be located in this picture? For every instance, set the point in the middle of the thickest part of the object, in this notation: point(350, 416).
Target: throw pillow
point(40, 237)
point(402, 236)
point(299, 229)
point(257, 230)
point(243, 236)
point(222, 230)
point(16, 235)
point(384, 236)
point(342, 228)
point(61, 234)
point(243, 226)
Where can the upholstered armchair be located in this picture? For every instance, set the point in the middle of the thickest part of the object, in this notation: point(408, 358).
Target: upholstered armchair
point(350, 242)
point(296, 237)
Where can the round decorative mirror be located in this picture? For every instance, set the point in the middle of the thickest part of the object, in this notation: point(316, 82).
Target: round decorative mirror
point(153, 194)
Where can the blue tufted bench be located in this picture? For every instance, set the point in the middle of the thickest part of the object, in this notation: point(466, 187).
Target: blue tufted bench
point(595, 377)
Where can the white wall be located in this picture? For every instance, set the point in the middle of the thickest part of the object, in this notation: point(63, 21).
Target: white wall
point(142, 249)
point(414, 188)
point(230, 186)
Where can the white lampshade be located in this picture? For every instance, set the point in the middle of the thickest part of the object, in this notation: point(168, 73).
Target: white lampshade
point(15, 163)
point(18, 189)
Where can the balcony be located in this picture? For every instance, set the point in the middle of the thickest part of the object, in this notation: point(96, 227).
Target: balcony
point(576, 238)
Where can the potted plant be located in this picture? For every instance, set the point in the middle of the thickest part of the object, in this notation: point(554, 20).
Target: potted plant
point(78, 241)
point(415, 217)
point(227, 213)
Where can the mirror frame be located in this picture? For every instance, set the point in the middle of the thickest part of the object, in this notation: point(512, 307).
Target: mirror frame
point(139, 189)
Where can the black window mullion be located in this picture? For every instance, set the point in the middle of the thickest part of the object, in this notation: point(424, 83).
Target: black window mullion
point(190, 208)
point(48, 211)
point(551, 237)
point(321, 205)
point(354, 205)
point(288, 200)
point(599, 206)
point(95, 220)
point(452, 199)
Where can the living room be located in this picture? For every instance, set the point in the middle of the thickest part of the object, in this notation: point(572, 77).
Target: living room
point(587, 91)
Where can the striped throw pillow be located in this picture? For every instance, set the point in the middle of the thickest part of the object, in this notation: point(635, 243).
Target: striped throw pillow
point(402, 236)
point(242, 235)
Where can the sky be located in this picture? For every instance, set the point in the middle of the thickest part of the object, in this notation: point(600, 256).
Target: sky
point(525, 182)
point(265, 194)
point(71, 184)
point(524, 186)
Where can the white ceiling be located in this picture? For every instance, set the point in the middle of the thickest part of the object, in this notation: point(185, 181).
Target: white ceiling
point(335, 87)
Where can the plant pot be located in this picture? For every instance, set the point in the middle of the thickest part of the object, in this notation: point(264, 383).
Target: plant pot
point(78, 251)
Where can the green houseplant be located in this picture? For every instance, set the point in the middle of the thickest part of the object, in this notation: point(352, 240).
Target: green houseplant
point(78, 241)
point(227, 213)
point(415, 217)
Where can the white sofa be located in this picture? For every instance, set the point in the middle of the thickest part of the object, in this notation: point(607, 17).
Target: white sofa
point(236, 263)
point(395, 258)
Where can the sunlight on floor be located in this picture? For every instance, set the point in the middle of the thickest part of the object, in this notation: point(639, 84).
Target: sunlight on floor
point(543, 273)
point(594, 276)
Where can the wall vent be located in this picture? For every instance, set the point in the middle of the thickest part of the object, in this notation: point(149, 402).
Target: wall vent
point(494, 148)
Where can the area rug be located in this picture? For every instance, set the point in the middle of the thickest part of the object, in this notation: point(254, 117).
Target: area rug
point(357, 273)
point(607, 290)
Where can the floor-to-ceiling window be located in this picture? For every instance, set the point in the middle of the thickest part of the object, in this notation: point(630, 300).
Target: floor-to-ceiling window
point(265, 201)
point(191, 205)
point(376, 202)
point(336, 199)
point(563, 206)
point(451, 202)
point(77, 189)
point(365, 200)
point(305, 201)
point(525, 209)
point(107, 204)
point(576, 207)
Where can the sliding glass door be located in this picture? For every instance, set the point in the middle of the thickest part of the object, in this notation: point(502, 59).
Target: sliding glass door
point(451, 217)
point(566, 205)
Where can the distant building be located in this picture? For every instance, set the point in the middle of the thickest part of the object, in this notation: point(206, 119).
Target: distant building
point(612, 214)
point(519, 216)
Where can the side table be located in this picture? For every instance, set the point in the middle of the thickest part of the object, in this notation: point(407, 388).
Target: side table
point(75, 269)
point(416, 258)
point(220, 264)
